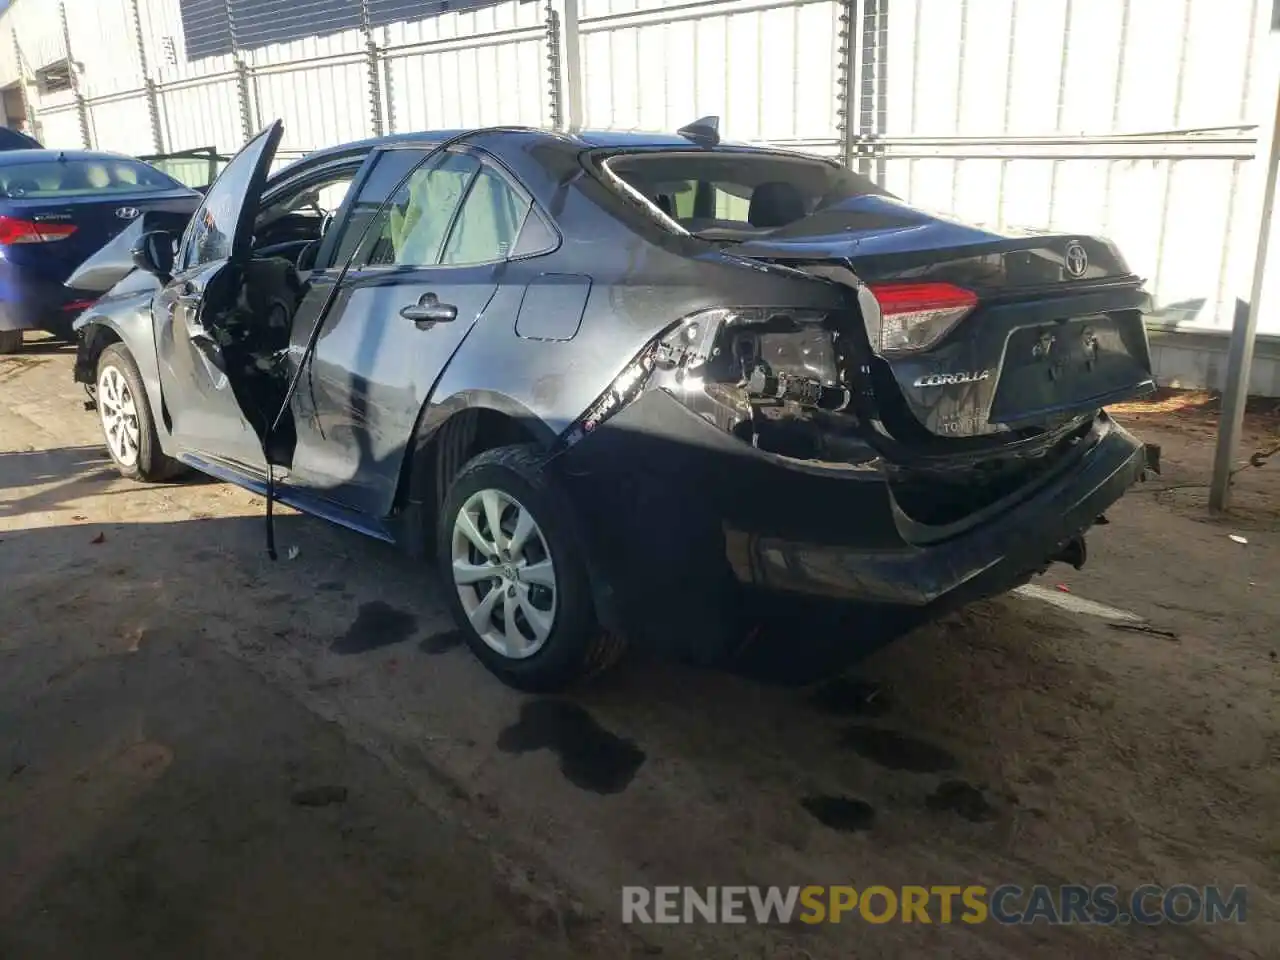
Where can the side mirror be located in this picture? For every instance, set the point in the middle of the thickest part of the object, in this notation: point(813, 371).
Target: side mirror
point(154, 253)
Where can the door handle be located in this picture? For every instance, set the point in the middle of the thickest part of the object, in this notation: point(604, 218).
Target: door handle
point(429, 310)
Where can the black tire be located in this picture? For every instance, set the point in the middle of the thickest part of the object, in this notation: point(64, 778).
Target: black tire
point(151, 464)
point(576, 648)
point(10, 341)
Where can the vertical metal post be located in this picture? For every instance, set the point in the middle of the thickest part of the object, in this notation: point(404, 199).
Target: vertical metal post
point(1240, 353)
point(371, 64)
point(555, 95)
point(25, 82)
point(882, 86)
point(82, 106)
point(845, 131)
point(148, 81)
point(388, 84)
point(243, 86)
point(571, 65)
point(872, 107)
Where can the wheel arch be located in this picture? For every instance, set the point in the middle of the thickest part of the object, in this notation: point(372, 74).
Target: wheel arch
point(132, 329)
point(448, 434)
point(93, 337)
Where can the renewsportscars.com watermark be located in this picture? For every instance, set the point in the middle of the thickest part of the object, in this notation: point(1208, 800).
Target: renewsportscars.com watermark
point(1105, 904)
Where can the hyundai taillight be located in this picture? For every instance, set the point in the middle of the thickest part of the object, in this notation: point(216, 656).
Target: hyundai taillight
point(15, 230)
point(907, 317)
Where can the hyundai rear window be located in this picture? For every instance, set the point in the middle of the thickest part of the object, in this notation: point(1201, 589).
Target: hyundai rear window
point(77, 178)
point(732, 194)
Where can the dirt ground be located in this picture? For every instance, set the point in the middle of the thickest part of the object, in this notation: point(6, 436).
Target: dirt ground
point(207, 754)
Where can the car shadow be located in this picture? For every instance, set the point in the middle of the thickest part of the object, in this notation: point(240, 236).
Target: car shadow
point(25, 468)
point(45, 347)
point(59, 476)
point(931, 754)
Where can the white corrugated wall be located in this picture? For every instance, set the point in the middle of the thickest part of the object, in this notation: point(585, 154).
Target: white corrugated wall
point(475, 68)
point(1090, 70)
point(767, 69)
point(1074, 73)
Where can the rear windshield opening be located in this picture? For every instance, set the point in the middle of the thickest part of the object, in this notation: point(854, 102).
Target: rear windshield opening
point(738, 195)
point(71, 178)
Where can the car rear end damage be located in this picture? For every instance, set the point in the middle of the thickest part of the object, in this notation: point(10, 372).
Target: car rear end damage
point(937, 437)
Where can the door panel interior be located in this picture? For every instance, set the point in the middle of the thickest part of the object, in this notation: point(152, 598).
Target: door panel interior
point(199, 313)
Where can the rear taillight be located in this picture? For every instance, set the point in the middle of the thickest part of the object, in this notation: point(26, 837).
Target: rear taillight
point(626, 387)
point(914, 316)
point(723, 362)
point(15, 230)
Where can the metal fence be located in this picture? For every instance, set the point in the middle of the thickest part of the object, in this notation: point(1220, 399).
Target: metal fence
point(1129, 118)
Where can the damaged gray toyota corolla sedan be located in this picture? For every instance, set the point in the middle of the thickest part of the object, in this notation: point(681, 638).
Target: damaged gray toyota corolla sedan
point(611, 381)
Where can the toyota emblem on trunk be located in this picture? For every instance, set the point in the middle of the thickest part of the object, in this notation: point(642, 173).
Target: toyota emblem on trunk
point(127, 213)
point(1077, 261)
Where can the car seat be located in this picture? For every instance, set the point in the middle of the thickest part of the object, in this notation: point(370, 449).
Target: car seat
point(775, 203)
point(75, 178)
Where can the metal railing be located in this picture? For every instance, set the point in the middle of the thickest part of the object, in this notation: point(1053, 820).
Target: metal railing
point(196, 168)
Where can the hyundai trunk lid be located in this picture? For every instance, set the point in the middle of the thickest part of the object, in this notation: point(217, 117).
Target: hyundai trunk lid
point(96, 219)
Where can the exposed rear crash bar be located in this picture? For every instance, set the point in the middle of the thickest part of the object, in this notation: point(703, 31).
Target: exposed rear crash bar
point(981, 562)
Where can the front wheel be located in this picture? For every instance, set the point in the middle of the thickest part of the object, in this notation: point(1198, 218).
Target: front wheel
point(127, 423)
point(516, 574)
point(10, 341)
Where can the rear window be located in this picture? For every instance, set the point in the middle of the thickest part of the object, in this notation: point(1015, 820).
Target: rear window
point(72, 178)
point(737, 194)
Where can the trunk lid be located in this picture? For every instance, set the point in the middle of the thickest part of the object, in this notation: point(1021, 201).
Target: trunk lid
point(97, 221)
point(1057, 330)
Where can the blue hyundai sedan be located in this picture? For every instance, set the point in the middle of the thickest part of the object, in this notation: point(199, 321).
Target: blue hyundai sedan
point(56, 208)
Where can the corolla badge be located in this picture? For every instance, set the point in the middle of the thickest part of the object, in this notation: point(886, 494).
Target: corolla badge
point(127, 213)
point(1077, 260)
point(949, 379)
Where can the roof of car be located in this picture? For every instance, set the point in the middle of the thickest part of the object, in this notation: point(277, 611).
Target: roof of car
point(584, 139)
point(35, 156)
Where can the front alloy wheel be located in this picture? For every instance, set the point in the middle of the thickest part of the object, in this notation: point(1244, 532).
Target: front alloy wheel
point(119, 414)
point(127, 423)
point(504, 574)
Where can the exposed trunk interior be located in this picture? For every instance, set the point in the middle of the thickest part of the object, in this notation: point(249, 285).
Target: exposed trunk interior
point(1026, 416)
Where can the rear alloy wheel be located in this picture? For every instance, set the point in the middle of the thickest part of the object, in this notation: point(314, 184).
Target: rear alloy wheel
point(127, 424)
point(504, 574)
point(10, 341)
point(508, 545)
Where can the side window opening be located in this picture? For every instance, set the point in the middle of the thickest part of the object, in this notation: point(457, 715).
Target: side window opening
point(412, 227)
point(489, 222)
point(486, 217)
point(389, 169)
point(303, 212)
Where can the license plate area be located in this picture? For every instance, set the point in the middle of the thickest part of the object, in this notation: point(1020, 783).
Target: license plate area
point(1067, 366)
